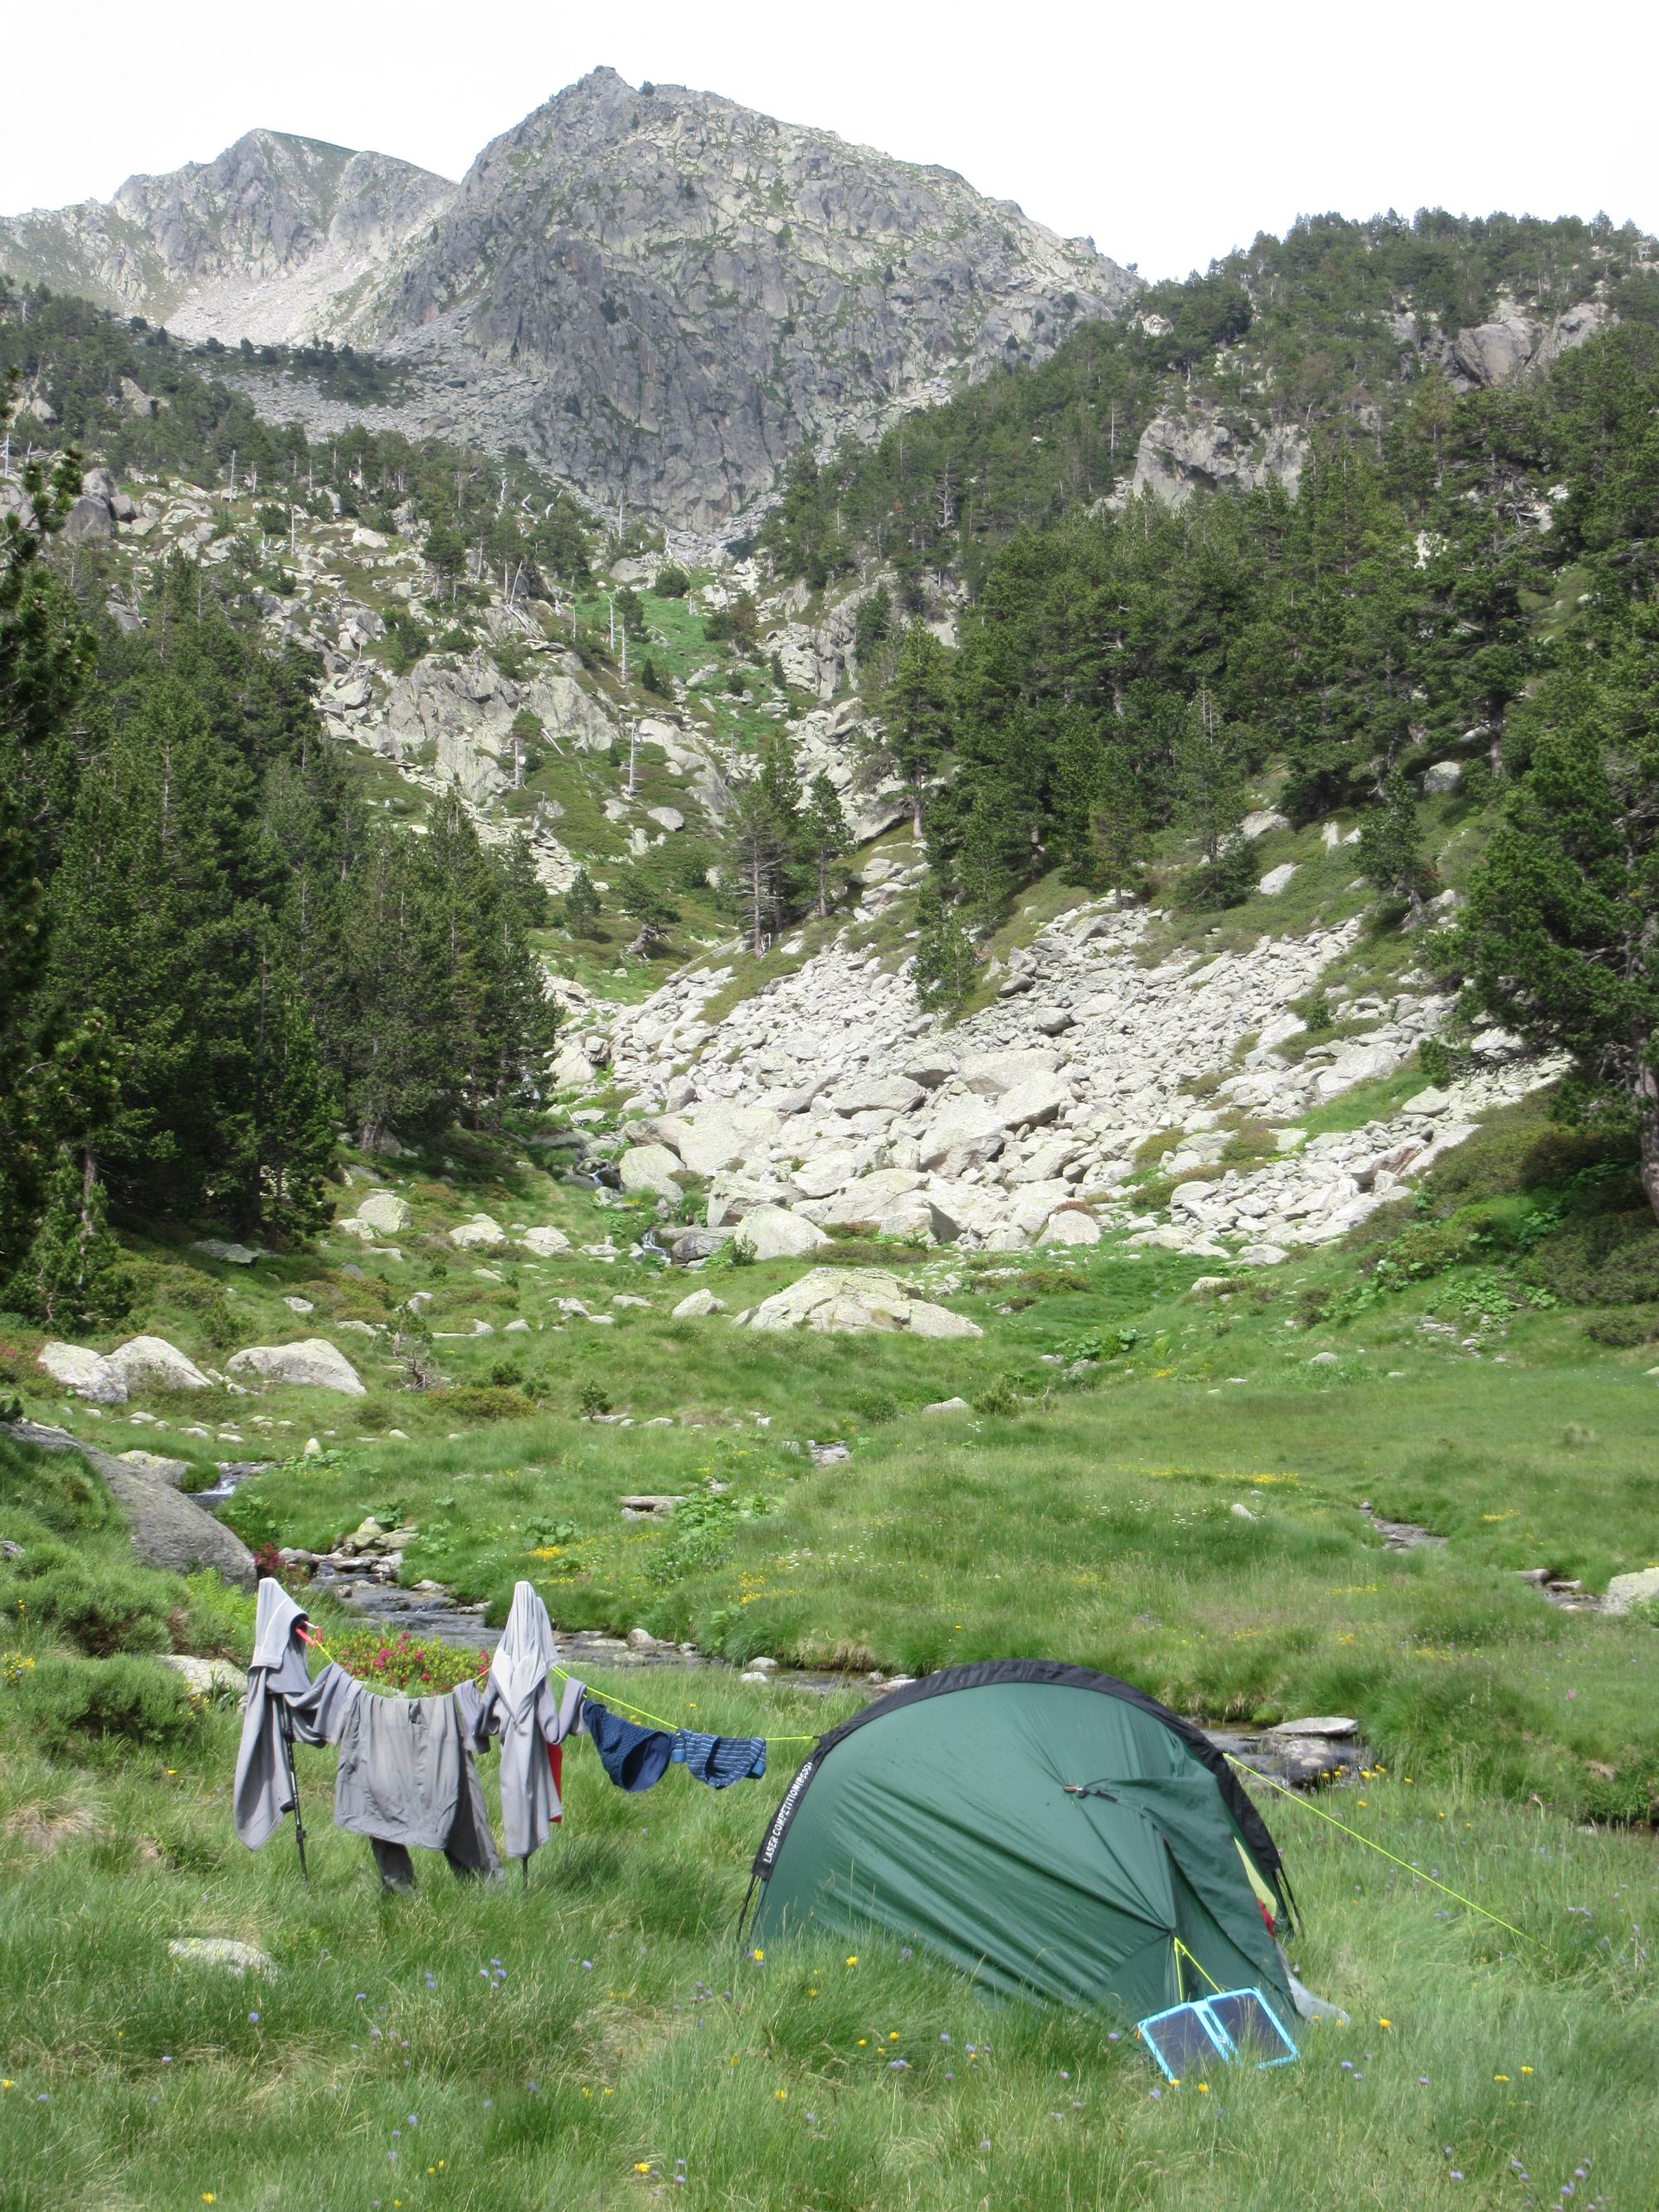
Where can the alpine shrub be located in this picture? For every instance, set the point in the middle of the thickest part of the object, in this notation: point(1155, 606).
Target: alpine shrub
point(74, 1706)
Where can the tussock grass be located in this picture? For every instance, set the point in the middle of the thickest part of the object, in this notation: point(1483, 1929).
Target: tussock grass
point(585, 2041)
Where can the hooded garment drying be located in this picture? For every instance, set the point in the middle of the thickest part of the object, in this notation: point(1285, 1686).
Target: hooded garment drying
point(406, 1774)
point(263, 1793)
point(519, 1705)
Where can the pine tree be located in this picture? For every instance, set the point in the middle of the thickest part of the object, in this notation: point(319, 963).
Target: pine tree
point(579, 909)
point(71, 1275)
point(46, 659)
point(1391, 854)
point(943, 970)
point(1209, 777)
point(293, 1115)
point(1116, 822)
point(1560, 938)
point(824, 834)
point(646, 900)
point(1210, 782)
point(755, 847)
point(916, 722)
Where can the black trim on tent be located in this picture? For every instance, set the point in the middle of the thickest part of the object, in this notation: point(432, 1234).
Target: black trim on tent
point(985, 1672)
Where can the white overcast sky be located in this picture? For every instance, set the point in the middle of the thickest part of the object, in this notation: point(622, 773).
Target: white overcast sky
point(1167, 134)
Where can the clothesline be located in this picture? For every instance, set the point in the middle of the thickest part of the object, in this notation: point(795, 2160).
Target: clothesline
point(671, 1727)
point(619, 1704)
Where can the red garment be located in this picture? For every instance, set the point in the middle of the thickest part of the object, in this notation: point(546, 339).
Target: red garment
point(555, 1760)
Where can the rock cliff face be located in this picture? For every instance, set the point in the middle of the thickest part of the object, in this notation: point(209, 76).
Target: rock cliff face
point(657, 292)
point(265, 243)
point(688, 288)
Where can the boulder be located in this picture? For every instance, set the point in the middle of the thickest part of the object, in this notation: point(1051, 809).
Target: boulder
point(831, 1172)
point(929, 1320)
point(776, 1234)
point(1442, 777)
point(650, 1168)
point(88, 518)
point(170, 1470)
point(722, 1132)
point(856, 1301)
point(697, 1306)
point(384, 1210)
point(964, 1209)
point(1491, 353)
point(1070, 1226)
point(966, 1130)
point(1262, 1256)
point(87, 1373)
point(311, 1364)
point(1279, 1031)
point(734, 1194)
point(870, 1200)
point(165, 1528)
point(893, 1093)
point(1277, 879)
point(1031, 1104)
point(1260, 823)
point(222, 1951)
point(691, 1245)
point(232, 1256)
point(948, 1406)
point(930, 1065)
point(482, 1233)
point(1640, 1587)
point(1356, 1063)
point(572, 1070)
point(545, 1243)
point(152, 1360)
point(991, 1073)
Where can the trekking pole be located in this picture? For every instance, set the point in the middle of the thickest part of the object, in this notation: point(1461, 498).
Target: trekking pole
point(286, 1726)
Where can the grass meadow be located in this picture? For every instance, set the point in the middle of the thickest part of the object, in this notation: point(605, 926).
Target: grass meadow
point(1180, 1486)
point(600, 2038)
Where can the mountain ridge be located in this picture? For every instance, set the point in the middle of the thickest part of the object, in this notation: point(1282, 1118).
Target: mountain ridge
point(659, 293)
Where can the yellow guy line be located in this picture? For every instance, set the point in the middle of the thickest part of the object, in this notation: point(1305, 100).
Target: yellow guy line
point(1251, 1774)
point(635, 1712)
point(1181, 1952)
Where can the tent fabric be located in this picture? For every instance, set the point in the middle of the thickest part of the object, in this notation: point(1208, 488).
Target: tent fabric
point(1046, 1828)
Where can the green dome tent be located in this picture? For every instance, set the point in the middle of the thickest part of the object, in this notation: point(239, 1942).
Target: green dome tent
point(1048, 1829)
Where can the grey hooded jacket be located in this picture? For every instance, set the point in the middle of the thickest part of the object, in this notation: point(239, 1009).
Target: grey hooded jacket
point(262, 1793)
point(519, 1705)
point(406, 1773)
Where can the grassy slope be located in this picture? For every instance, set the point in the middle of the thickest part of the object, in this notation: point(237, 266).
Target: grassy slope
point(594, 2037)
point(1093, 1521)
point(588, 2041)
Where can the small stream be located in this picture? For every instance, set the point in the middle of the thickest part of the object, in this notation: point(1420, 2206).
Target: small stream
point(430, 1612)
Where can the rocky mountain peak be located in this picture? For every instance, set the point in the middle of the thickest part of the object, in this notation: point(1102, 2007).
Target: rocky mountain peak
point(257, 243)
point(658, 293)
